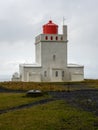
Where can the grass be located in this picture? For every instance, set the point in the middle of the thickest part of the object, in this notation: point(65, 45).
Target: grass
point(92, 83)
point(57, 115)
point(8, 100)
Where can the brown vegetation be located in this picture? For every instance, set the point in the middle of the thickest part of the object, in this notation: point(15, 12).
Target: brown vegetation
point(32, 85)
point(54, 86)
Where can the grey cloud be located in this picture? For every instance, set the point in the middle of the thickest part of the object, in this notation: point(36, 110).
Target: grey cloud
point(21, 21)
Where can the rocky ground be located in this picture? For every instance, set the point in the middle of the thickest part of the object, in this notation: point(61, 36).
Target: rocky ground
point(83, 99)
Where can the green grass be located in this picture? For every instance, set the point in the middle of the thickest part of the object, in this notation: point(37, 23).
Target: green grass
point(57, 115)
point(14, 99)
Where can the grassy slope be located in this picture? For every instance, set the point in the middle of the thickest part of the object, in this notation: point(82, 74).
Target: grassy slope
point(8, 100)
point(92, 83)
point(56, 115)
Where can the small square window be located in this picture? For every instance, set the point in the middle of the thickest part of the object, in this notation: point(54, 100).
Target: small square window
point(46, 37)
point(56, 73)
point(51, 38)
point(56, 38)
point(45, 73)
point(62, 73)
point(54, 57)
point(61, 38)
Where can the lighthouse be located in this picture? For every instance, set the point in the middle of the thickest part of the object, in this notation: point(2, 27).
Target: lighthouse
point(51, 58)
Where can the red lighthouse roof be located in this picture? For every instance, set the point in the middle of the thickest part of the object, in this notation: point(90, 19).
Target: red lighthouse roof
point(50, 28)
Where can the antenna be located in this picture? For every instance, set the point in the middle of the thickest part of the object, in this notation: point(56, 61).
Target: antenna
point(64, 20)
point(50, 17)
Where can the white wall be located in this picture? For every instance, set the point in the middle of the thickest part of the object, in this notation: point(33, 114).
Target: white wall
point(38, 53)
point(26, 73)
point(49, 49)
point(33, 77)
point(77, 77)
point(21, 70)
point(76, 73)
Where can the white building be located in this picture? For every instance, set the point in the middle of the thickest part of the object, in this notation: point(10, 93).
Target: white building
point(51, 59)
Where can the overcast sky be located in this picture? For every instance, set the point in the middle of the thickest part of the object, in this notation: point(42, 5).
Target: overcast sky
point(22, 20)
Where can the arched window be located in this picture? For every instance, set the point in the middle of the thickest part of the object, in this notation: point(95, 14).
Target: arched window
point(51, 38)
point(56, 38)
point(54, 57)
point(46, 37)
point(56, 73)
point(45, 73)
point(62, 73)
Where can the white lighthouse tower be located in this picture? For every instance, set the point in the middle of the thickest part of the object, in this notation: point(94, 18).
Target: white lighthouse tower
point(51, 58)
point(51, 52)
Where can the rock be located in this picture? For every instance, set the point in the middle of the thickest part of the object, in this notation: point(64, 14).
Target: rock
point(34, 93)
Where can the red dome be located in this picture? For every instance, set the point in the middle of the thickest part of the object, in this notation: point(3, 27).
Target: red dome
point(50, 28)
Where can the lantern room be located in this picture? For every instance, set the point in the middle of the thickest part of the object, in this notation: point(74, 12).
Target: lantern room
point(50, 28)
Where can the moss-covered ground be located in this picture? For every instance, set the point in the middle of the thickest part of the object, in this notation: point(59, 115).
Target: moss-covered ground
point(57, 115)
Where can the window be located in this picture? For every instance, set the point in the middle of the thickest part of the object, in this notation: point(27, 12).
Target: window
point(51, 38)
point(46, 37)
point(54, 57)
point(45, 73)
point(56, 73)
point(62, 73)
point(30, 74)
point(61, 38)
point(56, 38)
